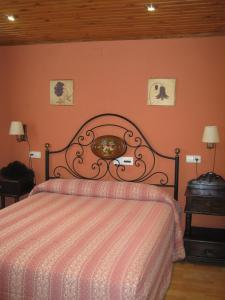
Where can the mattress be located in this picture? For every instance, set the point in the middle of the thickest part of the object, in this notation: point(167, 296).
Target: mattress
point(81, 239)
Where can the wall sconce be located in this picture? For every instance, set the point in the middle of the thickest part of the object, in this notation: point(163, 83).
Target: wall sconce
point(19, 129)
point(211, 137)
point(209, 180)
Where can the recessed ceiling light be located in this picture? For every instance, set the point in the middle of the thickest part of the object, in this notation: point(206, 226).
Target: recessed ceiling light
point(11, 18)
point(151, 7)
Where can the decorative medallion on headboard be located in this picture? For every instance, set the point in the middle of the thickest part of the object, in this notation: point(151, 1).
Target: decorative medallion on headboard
point(108, 147)
point(103, 138)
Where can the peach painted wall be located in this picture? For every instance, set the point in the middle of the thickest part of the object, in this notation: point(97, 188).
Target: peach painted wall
point(112, 77)
point(4, 112)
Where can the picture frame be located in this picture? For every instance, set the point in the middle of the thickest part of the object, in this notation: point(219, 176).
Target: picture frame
point(161, 91)
point(61, 92)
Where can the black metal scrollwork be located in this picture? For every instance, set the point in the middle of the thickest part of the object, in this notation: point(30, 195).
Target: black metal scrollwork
point(81, 162)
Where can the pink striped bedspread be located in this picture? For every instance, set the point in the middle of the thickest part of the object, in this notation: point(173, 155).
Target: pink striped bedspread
point(81, 239)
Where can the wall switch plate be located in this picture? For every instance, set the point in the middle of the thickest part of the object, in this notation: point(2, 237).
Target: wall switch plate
point(35, 154)
point(124, 160)
point(193, 159)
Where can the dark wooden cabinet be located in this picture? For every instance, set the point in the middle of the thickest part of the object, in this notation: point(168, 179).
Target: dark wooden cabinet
point(15, 188)
point(204, 244)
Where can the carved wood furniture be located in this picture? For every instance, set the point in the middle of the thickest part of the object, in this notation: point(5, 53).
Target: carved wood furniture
point(15, 188)
point(204, 244)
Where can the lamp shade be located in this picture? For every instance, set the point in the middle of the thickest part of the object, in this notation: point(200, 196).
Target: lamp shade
point(211, 135)
point(16, 128)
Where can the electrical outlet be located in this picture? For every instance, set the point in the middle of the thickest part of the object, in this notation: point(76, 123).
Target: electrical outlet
point(35, 154)
point(125, 161)
point(193, 159)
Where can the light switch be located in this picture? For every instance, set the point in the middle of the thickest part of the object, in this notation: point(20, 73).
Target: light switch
point(35, 154)
point(193, 159)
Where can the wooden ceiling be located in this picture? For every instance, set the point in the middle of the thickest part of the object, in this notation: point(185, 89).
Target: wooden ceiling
point(53, 21)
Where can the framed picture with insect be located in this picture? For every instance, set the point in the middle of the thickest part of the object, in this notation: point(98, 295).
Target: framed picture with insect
point(161, 92)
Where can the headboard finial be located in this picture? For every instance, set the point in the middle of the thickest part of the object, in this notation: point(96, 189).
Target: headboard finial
point(177, 151)
point(47, 146)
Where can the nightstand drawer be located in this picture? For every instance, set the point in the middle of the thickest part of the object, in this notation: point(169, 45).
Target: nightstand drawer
point(205, 250)
point(16, 187)
point(206, 205)
point(9, 187)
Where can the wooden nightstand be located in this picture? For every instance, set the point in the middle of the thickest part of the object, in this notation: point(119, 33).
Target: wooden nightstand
point(15, 188)
point(204, 244)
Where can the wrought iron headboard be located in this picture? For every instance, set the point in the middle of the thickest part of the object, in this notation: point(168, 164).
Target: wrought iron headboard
point(104, 150)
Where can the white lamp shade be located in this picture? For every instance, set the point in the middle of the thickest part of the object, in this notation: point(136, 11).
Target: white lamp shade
point(210, 135)
point(16, 128)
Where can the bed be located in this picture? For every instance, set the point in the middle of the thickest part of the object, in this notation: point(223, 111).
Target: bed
point(91, 237)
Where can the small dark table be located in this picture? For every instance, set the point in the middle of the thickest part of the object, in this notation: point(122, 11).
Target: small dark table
point(15, 188)
point(204, 244)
